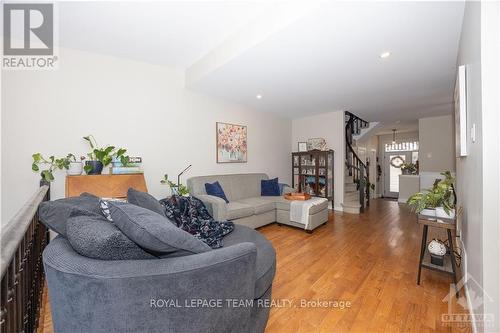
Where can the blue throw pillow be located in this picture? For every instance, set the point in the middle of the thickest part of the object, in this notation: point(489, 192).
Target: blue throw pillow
point(269, 187)
point(216, 190)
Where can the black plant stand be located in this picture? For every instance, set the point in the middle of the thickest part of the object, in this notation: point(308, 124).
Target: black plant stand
point(449, 266)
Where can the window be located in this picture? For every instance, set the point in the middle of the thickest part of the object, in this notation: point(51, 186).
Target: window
point(401, 146)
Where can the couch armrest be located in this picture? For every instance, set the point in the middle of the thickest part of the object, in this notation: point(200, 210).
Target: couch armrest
point(155, 295)
point(215, 205)
point(287, 189)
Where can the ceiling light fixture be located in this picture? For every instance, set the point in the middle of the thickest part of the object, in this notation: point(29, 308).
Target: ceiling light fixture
point(259, 96)
point(393, 136)
point(384, 55)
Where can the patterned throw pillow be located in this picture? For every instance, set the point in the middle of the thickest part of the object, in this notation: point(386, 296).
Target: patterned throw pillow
point(105, 210)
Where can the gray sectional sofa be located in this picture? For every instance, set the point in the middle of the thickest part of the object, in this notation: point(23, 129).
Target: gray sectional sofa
point(107, 283)
point(246, 205)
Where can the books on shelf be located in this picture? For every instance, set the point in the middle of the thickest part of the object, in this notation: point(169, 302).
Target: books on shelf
point(134, 166)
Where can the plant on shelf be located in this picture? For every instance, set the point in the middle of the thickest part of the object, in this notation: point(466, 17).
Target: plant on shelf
point(99, 157)
point(53, 163)
point(440, 198)
point(176, 189)
point(74, 167)
point(409, 168)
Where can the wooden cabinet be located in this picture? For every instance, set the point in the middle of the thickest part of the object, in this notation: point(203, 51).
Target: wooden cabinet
point(312, 172)
point(105, 186)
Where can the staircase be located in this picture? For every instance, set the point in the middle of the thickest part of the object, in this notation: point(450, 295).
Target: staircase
point(356, 191)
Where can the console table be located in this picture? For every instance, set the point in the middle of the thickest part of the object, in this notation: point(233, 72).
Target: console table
point(449, 266)
point(105, 186)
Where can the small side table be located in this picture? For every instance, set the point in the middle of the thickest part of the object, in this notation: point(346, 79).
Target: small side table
point(449, 266)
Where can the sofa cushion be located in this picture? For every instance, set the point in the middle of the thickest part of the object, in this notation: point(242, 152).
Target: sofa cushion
point(145, 200)
point(260, 204)
point(55, 214)
point(266, 256)
point(269, 187)
point(216, 190)
point(237, 210)
point(154, 232)
point(236, 186)
point(95, 237)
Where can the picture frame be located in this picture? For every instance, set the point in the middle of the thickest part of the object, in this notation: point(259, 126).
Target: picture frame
point(460, 98)
point(231, 143)
point(316, 144)
point(302, 146)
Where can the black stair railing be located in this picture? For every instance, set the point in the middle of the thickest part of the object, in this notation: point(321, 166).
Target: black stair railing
point(23, 241)
point(357, 169)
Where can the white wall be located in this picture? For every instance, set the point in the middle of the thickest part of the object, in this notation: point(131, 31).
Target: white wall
point(490, 91)
point(470, 168)
point(478, 182)
point(436, 144)
point(142, 107)
point(329, 126)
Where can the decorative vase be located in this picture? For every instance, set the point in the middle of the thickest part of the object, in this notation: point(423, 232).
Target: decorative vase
point(440, 212)
point(96, 167)
point(75, 169)
point(406, 172)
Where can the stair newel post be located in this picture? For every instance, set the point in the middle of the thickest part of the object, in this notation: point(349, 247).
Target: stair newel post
point(367, 180)
point(361, 186)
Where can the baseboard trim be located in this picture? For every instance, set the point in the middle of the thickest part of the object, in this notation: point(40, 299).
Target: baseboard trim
point(466, 287)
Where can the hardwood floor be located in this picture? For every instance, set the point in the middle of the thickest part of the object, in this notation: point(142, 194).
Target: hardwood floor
point(369, 260)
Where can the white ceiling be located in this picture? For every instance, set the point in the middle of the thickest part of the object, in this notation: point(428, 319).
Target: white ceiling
point(171, 33)
point(322, 56)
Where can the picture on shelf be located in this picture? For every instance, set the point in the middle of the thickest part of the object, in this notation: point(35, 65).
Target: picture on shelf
point(231, 143)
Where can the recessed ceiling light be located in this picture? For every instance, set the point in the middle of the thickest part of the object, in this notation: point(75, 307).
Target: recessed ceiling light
point(259, 96)
point(384, 55)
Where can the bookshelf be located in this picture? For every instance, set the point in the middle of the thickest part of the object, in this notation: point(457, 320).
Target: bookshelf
point(312, 173)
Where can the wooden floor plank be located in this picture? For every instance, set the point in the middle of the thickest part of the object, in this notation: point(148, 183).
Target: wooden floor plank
point(369, 259)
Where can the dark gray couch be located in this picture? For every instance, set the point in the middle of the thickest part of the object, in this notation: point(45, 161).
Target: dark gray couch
point(90, 295)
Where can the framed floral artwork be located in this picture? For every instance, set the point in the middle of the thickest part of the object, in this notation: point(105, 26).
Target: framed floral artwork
point(231, 143)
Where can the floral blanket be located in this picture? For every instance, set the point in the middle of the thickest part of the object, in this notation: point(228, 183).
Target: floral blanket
point(191, 215)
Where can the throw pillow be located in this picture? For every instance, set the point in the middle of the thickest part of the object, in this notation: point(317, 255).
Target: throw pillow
point(145, 200)
point(154, 232)
point(269, 187)
point(95, 237)
point(55, 214)
point(216, 190)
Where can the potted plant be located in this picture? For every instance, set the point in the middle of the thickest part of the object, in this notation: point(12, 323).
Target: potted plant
point(52, 164)
point(75, 167)
point(409, 168)
point(446, 205)
point(99, 157)
point(438, 201)
point(175, 189)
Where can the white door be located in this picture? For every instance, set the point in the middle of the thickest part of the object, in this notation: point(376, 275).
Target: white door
point(392, 170)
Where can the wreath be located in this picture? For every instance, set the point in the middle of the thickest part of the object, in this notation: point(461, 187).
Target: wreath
point(397, 161)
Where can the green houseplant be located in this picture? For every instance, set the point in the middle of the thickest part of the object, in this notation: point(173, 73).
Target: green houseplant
point(439, 200)
point(176, 189)
point(99, 157)
point(52, 163)
point(409, 168)
point(74, 167)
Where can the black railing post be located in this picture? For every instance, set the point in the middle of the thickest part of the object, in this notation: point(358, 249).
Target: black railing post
point(362, 185)
point(356, 168)
point(23, 241)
